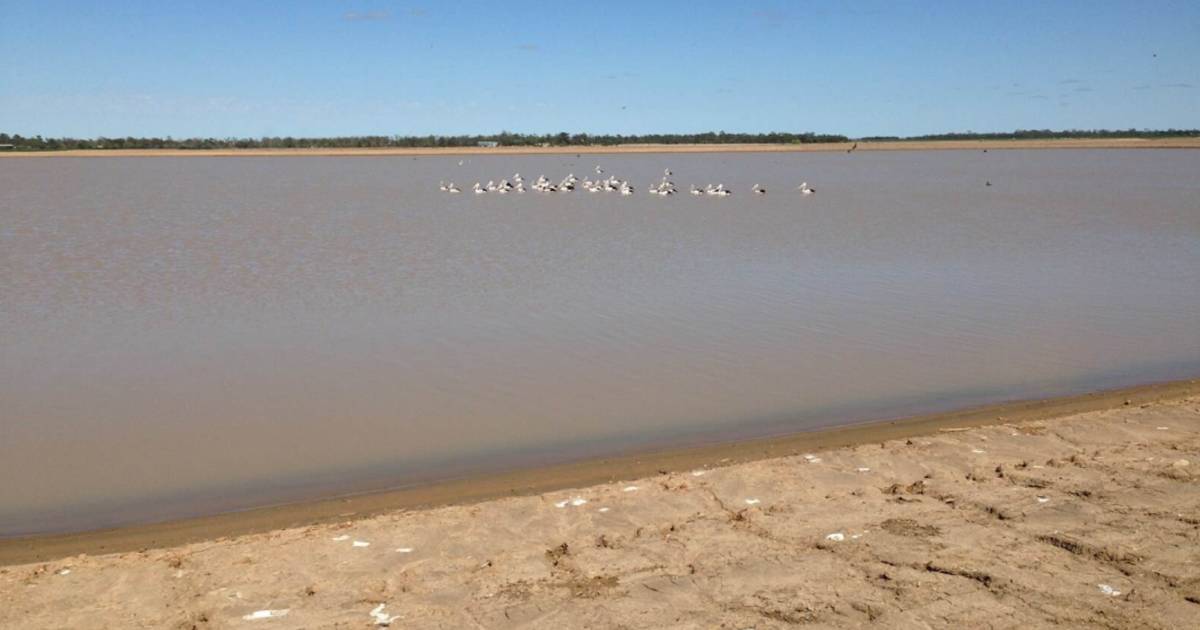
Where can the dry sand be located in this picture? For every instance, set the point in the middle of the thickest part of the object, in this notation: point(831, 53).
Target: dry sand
point(1087, 520)
point(913, 145)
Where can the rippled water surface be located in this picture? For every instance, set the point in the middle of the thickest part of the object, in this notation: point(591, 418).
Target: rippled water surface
point(186, 335)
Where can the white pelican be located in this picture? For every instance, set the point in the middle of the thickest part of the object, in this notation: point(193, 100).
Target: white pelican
point(478, 189)
point(599, 170)
point(452, 189)
point(442, 185)
point(758, 190)
point(805, 189)
point(696, 191)
point(666, 172)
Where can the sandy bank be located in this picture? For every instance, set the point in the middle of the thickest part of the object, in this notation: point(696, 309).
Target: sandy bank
point(976, 145)
point(1038, 518)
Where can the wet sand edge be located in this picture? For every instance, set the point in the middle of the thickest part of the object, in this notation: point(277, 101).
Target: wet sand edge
point(899, 145)
point(578, 474)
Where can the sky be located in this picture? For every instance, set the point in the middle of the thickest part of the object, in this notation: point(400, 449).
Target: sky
point(353, 67)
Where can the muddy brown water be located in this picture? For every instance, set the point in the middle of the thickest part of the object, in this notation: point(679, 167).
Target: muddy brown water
point(182, 336)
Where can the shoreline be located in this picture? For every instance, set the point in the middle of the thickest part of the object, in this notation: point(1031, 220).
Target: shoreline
point(527, 482)
point(1088, 520)
point(899, 145)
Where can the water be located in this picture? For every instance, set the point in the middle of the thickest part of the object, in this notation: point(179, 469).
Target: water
point(185, 335)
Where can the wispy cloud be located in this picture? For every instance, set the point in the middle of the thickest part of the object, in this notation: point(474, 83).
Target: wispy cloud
point(1185, 86)
point(367, 16)
point(528, 47)
point(1143, 86)
point(1069, 81)
point(1082, 88)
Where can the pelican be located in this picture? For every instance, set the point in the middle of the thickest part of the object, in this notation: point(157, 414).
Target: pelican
point(460, 162)
point(479, 190)
point(758, 190)
point(696, 191)
point(442, 185)
point(452, 189)
point(599, 170)
point(666, 172)
point(805, 190)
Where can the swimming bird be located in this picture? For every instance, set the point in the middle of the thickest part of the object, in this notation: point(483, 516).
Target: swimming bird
point(758, 190)
point(599, 170)
point(696, 191)
point(805, 189)
point(479, 190)
point(452, 189)
point(442, 186)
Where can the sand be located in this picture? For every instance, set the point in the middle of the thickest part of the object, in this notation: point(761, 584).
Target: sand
point(907, 145)
point(1089, 519)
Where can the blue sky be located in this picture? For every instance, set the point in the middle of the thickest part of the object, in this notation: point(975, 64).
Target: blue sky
point(345, 67)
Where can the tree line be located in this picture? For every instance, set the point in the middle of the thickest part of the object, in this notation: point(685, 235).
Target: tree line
point(1045, 134)
point(505, 138)
point(39, 143)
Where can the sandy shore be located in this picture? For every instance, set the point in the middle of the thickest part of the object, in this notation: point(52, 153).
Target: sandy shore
point(975, 145)
point(1035, 519)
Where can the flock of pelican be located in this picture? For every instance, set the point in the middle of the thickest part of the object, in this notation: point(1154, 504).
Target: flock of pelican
point(664, 187)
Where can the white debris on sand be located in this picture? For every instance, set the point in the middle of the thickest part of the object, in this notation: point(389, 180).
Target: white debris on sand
point(382, 618)
point(836, 537)
point(267, 614)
